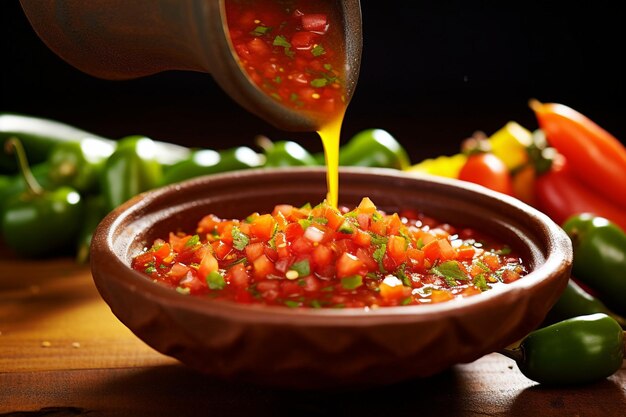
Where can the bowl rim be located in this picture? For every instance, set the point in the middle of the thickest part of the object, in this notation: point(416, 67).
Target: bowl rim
point(104, 259)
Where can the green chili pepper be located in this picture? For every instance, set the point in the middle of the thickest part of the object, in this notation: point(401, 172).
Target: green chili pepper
point(599, 258)
point(94, 212)
point(37, 222)
point(374, 148)
point(130, 170)
point(205, 162)
point(38, 137)
point(285, 153)
point(575, 301)
point(575, 351)
point(79, 164)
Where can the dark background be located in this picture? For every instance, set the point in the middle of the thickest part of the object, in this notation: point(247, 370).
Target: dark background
point(432, 73)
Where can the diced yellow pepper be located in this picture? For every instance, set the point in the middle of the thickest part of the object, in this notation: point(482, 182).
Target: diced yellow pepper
point(510, 143)
point(442, 166)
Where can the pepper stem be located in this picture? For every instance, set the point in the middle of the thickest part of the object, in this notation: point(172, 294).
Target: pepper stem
point(264, 142)
point(13, 145)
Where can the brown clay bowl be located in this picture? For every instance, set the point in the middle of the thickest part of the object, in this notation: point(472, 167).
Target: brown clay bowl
point(326, 347)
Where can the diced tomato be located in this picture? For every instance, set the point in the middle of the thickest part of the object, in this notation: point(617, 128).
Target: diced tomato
point(221, 249)
point(391, 289)
point(254, 250)
point(509, 276)
point(302, 245)
point(396, 248)
point(416, 257)
point(364, 220)
point(465, 253)
point(361, 238)
point(335, 219)
point(178, 271)
point(469, 291)
point(311, 284)
point(284, 209)
point(293, 232)
point(348, 265)
point(208, 224)
point(379, 227)
point(290, 288)
point(163, 251)
point(394, 223)
point(322, 256)
point(269, 289)
point(258, 47)
point(207, 265)
point(262, 267)
point(303, 40)
point(282, 247)
point(366, 258)
point(439, 249)
point(315, 23)
point(238, 276)
point(439, 296)
point(491, 260)
point(366, 206)
point(142, 260)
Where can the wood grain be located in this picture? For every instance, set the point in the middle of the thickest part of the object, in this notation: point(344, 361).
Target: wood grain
point(63, 353)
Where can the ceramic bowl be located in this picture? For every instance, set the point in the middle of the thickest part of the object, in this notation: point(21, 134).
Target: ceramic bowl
point(326, 347)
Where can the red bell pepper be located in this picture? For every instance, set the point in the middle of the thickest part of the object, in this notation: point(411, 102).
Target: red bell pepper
point(597, 159)
point(560, 194)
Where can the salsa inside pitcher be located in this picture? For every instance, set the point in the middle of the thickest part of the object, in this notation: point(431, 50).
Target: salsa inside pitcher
point(293, 51)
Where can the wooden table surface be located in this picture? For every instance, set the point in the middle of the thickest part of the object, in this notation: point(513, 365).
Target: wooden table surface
point(63, 353)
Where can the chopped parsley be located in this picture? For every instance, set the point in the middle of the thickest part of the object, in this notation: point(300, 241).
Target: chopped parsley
point(450, 271)
point(378, 256)
point(260, 30)
point(281, 41)
point(480, 282)
point(193, 241)
point(319, 82)
point(318, 50)
point(302, 268)
point(403, 276)
point(292, 304)
point(240, 239)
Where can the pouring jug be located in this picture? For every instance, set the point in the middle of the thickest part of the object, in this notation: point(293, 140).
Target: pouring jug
point(121, 39)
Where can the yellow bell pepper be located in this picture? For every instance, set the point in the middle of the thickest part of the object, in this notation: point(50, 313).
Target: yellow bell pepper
point(510, 143)
point(442, 166)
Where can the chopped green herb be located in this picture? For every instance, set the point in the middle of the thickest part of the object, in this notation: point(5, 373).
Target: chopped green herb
point(281, 41)
point(320, 220)
point(328, 289)
point(215, 281)
point(319, 82)
point(301, 282)
point(377, 239)
point(340, 305)
point(292, 304)
point(480, 282)
point(276, 96)
point(378, 256)
point(307, 206)
point(302, 268)
point(316, 304)
point(371, 275)
point(376, 216)
point(328, 67)
point(260, 30)
point(150, 270)
point(278, 79)
point(406, 301)
point(183, 290)
point(240, 239)
point(305, 223)
point(346, 227)
point(318, 50)
point(402, 276)
point(289, 52)
point(420, 243)
point(450, 271)
point(352, 282)
point(162, 266)
point(193, 241)
point(483, 266)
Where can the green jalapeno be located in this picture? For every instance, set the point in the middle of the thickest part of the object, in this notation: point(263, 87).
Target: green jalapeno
point(79, 164)
point(285, 153)
point(575, 301)
point(575, 351)
point(39, 222)
point(38, 137)
point(205, 162)
point(133, 168)
point(374, 148)
point(599, 257)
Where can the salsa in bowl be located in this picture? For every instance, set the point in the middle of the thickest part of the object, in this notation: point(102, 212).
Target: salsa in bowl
point(308, 345)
